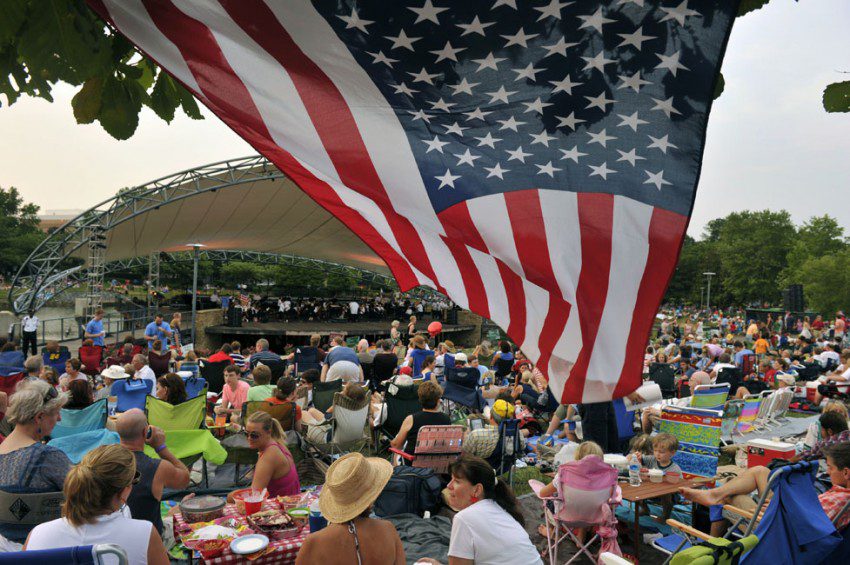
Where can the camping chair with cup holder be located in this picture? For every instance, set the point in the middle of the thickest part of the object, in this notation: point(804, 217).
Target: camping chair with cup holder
point(437, 447)
point(323, 394)
point(56, 360)
point(306, 358)
point(131, 393)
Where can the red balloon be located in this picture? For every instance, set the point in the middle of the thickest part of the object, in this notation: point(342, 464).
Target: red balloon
point(434, 328)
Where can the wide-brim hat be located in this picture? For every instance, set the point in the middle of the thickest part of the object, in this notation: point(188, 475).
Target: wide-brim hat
point(352, 484)
point(115, 372)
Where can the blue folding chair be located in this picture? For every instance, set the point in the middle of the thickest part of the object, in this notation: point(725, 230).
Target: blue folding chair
point(503, 459)
point(90, 418)
point(78, 445)
point(462, 388)
point(194, 385)
point(56, 360)
point(80, 555)
point(131, 393)
point(13, 361)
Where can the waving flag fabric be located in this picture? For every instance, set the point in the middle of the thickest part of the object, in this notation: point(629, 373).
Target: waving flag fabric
point(534, 160)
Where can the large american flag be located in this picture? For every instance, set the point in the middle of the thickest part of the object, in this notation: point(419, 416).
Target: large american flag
point(534, 160)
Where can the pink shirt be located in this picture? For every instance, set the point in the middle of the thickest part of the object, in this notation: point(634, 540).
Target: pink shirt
point(236, 398)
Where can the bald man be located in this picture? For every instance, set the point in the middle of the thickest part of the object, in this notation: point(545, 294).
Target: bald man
point(156, 474)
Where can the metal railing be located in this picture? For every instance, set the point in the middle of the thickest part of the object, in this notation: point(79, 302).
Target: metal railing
point(72, 328)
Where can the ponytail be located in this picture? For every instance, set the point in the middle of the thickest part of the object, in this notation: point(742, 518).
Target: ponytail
point(91, 485)
point(478, 471)
point(269, 424)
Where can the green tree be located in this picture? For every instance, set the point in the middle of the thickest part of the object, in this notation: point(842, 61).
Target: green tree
point(19, 231)
point(826, 281)
point(753, 248)
point(819, 236)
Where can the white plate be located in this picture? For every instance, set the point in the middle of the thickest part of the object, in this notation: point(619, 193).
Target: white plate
point(249, 544)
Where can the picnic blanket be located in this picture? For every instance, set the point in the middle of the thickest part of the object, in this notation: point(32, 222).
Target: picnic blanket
point(423, 537)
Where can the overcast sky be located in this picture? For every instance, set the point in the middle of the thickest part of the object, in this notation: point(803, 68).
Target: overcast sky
point(770, 144)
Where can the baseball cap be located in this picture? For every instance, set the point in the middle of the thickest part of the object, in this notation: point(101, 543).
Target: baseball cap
point(502, 409)
point(461, 357)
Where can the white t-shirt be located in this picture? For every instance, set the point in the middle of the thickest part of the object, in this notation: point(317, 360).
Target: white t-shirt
point(132, 535)
point(487, 534)
point(147, 374)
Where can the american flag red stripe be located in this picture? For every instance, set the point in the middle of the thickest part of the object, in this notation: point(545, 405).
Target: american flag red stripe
point(541, 263)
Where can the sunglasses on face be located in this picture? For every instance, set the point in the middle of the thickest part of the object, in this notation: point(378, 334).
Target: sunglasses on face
point(253, 435)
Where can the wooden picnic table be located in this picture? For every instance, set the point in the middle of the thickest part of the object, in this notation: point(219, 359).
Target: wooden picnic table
point(648, 490)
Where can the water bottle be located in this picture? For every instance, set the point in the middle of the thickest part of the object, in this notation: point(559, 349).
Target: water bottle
point(634, 470)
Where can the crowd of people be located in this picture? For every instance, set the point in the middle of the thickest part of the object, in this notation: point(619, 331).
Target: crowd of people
point(116, 490)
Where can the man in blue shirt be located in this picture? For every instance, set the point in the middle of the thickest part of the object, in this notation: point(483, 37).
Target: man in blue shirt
point(740, 352)
point(94, 329)
point(158, 330)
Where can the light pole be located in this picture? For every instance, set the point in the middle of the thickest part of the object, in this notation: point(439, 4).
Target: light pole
point(197, 250)
point(708, 291)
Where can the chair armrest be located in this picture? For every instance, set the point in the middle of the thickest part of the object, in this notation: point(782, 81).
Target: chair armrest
point(402, 454)
point(688, 530)
point(739, 511)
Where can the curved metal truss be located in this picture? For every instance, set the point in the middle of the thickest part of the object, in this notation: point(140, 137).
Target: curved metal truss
point(74, 276)
point(48, 271)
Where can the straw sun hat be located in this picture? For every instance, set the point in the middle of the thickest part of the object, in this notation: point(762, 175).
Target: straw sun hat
point(353, 482)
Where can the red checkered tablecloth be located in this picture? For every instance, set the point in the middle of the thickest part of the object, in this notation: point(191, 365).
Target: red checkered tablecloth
point(280, 552)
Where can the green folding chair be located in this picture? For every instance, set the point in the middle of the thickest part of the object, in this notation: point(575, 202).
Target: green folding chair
point(184, 417)
point(323, 394)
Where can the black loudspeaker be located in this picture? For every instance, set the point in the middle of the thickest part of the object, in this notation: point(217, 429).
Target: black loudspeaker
point(792, 298)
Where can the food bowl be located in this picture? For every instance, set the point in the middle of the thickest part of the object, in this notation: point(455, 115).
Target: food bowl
point(211, 548)
point(673, 477)
point(202, 509)
point(644, 473)
point(656, 475)
point(300, 516)
point(288, 502)
point(273, 524)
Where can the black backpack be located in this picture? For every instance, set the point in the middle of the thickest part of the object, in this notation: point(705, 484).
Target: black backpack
point(411, 490)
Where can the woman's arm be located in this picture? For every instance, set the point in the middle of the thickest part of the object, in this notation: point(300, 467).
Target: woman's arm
point(398, 441)
point(156, 550)
point(548, 490)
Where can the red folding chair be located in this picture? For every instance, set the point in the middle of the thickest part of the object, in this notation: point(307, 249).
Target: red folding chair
point(437, 447)
point(91, 356)
point(10, 381)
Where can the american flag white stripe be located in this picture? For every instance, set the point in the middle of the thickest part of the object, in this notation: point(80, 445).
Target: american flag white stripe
point(492, 219)
point(282, 111)
point(560, 215)
point(629, 250)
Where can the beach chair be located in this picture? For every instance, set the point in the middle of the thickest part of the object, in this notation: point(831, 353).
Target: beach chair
point(29, 509)
point(56, 360)
point(698, 431)
point(665, 377)
point(778, 410)
point(188, 415)
point(306, 358)
point(90, 418)
point(504, 456)
point(9, 379)
point(159, 362)
point(749, 412)
point(399, 403)
point(461, 388)
point(794, 527)
point(437, 447)
point(194, 386)
point(213, 373)
point(762, 420)
point(91, 356)
point(323, 394)
point(711, 397)
point(13, 362)
point(76, 446)
point(79, 555)
point(131, 393)
point(347, 428)
point(587, 494)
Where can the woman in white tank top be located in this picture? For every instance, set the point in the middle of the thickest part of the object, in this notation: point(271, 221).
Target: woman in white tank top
point(96, 492)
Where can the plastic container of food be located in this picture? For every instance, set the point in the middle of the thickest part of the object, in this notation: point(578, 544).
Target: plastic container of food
point(202, 509)
point(274, 524)
point(656, 475)
point(211, 548)
point(299, 515)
